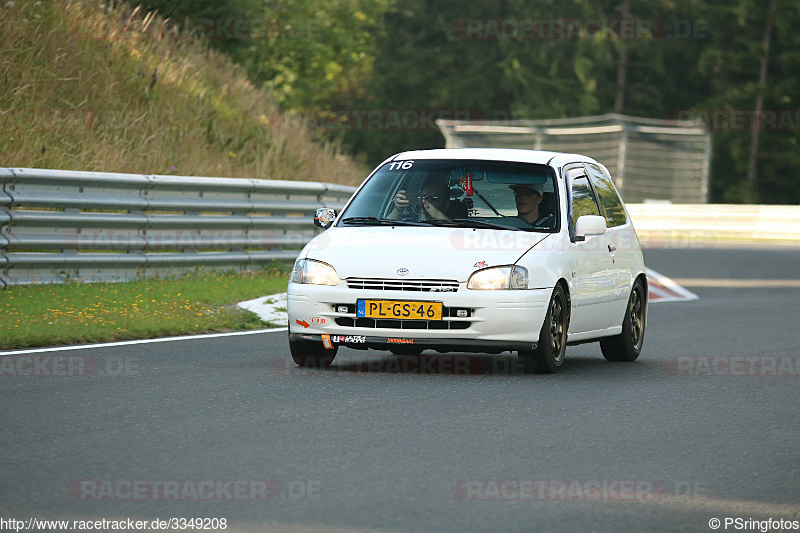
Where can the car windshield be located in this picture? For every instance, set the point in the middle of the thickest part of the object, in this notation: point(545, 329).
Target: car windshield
point(457, 193)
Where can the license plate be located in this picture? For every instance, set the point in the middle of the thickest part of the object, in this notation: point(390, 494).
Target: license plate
point(402, 310)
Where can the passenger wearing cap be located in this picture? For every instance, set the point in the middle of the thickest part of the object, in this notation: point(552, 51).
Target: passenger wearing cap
point(528, 197)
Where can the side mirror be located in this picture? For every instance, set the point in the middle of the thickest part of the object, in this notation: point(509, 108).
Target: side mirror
point(589, 225)
point(324, 217)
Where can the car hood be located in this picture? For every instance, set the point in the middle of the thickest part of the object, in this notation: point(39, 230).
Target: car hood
point(425, 253)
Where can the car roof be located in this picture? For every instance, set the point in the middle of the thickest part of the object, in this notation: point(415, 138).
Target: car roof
point(541, 157)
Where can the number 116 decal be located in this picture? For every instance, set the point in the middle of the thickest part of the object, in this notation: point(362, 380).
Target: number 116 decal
point(404, 165)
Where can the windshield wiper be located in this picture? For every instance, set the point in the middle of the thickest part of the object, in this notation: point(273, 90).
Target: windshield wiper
point(470, 223)
point(375, 221)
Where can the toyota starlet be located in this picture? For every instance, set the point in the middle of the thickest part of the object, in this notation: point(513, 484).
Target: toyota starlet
point(473, 250)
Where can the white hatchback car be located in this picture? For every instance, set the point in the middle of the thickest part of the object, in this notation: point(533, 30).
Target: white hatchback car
point(473, 250)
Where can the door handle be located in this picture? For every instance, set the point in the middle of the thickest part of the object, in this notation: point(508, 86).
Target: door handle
point(611, 247)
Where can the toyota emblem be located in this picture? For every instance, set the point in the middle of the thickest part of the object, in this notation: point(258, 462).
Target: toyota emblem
point(402, 271)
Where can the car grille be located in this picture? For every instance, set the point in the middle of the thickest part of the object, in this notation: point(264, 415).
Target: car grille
point(414, 285)
point(401, 324)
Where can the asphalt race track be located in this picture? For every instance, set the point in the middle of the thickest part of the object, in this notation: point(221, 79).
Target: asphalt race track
point(703, 426)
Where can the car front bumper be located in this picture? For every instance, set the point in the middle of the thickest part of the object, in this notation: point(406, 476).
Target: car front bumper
point(496, 320)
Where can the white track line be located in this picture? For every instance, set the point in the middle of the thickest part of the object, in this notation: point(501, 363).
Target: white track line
point(143, 341)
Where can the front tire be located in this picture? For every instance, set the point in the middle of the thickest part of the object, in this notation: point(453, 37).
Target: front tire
point(311, 354)
point(548, 356)
point(628, 345)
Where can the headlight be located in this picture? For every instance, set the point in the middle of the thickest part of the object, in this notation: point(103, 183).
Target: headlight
point(313, 272)
point(505, 277)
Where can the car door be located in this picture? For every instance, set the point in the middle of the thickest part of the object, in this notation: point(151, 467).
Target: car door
point(594, 279)
point(619, 232)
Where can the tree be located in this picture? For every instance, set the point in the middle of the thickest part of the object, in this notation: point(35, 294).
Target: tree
point(735, 62)
point(443, 57)
point(759, 107)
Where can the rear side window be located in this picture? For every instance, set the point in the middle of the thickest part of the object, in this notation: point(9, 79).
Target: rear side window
point(612, 205)
point(583, 201)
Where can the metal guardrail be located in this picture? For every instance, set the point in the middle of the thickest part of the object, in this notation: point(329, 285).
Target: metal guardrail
point(57, 225)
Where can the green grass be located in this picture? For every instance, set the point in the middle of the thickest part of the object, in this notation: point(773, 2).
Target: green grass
point(77, 94)
point(202, 301)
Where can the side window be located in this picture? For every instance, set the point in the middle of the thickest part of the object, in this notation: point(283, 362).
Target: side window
point(583, 200)
point(612, 205)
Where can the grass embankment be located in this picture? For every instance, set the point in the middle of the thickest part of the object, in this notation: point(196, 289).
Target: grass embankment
point(98, 86)
point(86, 85)
point(70, 313)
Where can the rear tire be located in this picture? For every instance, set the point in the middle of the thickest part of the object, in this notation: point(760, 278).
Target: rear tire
point(628, 345)
point(548, 356)
point(311, 354)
